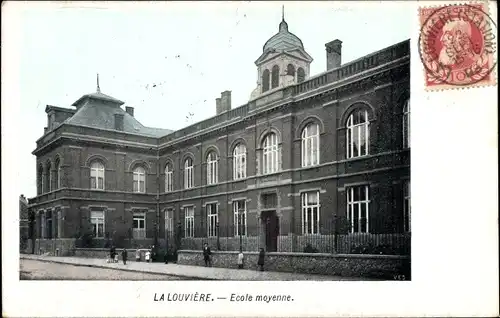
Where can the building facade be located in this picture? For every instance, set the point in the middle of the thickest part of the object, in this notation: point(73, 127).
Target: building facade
point(307, 158)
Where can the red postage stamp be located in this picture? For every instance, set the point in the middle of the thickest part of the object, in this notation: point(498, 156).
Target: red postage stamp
point(457, 46)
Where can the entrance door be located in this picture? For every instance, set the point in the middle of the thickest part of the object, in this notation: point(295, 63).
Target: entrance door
point(272, 230)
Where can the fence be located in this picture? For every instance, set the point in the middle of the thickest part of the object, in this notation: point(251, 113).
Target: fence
point(384, 236)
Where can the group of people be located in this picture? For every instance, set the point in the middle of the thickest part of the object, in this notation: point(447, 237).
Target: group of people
point(207, 257)
point(113, 255)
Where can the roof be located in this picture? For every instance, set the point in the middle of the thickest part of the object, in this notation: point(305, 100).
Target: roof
point(283, 40)
point(98, 110)
point(100, 96)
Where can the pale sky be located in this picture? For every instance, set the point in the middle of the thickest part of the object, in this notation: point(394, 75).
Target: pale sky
point(191, 51)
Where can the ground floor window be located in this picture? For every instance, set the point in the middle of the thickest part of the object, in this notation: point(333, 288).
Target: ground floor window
point(310, 212)
point(189, 221)
point(97, 223)
point(139, 229)
point(240, 217)
point(407, 206)
point(212, 219)
point(357, 208)
point(169, 221)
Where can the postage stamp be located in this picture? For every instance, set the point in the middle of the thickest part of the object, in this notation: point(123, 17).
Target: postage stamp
point(457, 46)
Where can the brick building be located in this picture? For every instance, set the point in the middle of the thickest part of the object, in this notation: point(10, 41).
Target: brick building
point(307, 156)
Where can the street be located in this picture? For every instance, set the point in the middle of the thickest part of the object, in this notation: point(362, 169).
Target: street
point(36, 270)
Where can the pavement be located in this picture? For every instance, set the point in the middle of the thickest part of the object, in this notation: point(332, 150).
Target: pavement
point(187, 271)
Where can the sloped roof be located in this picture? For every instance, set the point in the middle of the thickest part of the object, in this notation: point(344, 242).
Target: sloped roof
point(98, 110)
point(283, 40)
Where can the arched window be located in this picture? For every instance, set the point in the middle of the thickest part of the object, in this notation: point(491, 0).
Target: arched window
point(265, 81)
point(40, 180)
point(212, 168)
point(139, 182)
point(188, 173)
point(57, 173)
point(169, 173)
point(270, 157)
point(301, 75)
point(239, 162)
point(357, 134)
point(406, 124)
point(48, 177)
point(310, 145)
point(275, 76)
point(97, 175)
point(290, 70)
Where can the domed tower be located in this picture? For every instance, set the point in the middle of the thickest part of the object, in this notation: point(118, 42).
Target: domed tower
point(283, 61)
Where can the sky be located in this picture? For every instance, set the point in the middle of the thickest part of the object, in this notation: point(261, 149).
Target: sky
point(171, 59)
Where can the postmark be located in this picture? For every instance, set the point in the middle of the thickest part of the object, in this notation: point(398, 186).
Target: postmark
point(457, 46)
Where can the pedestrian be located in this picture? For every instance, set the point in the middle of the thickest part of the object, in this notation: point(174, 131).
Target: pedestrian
point(206, 255)
point(111, 254)
point(240, 259)
point(137, 255)
point(124, 256)
point(262, 254)
point(148, 256)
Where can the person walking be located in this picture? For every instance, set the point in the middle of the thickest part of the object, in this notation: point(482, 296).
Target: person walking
point(240, 259)
point(124, 256)
point(206, 255)
point(112, 254)
point(260, 262)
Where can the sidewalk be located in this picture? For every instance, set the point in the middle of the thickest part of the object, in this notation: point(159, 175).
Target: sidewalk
point(187, 271)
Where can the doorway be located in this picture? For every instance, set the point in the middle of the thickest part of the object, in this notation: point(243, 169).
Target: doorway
point(271, 229)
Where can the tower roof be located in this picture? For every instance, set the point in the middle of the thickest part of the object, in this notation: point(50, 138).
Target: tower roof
point(284, 39)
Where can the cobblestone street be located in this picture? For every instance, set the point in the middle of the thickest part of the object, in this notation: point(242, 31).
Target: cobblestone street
point(37, 270)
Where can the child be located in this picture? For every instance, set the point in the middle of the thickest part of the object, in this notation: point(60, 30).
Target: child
point(148, 256)
point(116, 258)
point(206, 255)
point(137, 255)
point(240, 259)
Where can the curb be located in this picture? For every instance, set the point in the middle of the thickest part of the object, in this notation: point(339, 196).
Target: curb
point(119, 269)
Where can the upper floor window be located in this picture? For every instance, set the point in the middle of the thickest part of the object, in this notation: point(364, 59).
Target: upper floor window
point(188, 173)
point(97, 175)
point(48, 177)
point(139, 182)
point(212, 168)
point(357, 208)
point(169, 173)
point(310, 212)
point(40, 180)
point(270, 159)
point(301, 75)
point(239, 162)
point(407, 206)
point(406, 124)
point(310, 145)
point(57, 173)
point(265, 81)
point(275, 77)
point(357, 134)
point(290, 70)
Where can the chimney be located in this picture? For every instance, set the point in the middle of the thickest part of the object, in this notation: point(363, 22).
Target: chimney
point(129, 110)
point(333, 54)
point(225, 101)
point(218, 108)
point(119, 121)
